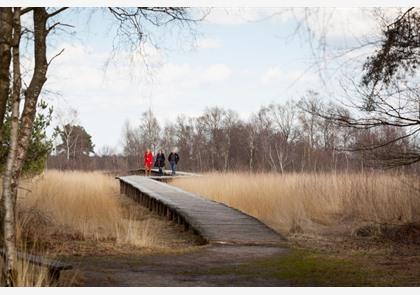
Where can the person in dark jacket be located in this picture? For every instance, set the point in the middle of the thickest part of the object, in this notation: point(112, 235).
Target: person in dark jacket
point(173, 161)
point(160, 162)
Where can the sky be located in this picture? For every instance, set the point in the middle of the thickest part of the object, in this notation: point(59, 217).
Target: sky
point(238, 59)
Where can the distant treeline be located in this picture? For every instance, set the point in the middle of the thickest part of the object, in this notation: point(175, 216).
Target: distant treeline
point(278, 137)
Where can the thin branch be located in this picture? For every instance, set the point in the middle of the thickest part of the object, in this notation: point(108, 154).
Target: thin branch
point(378, 146)
point(58, 24)
point(401, 17)
point(52, 14)
point(55, 56)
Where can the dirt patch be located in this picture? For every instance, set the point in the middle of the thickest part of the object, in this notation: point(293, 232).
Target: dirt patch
point(404, 234)
point(195, 268)
point(390, 263)
point(228, 265)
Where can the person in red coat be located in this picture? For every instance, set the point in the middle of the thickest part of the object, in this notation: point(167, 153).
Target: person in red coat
point(148, 162)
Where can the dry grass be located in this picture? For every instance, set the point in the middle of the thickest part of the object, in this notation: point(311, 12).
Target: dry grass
point(84, 205)
point(29, 275)
point(311, 203)
point(82, 213)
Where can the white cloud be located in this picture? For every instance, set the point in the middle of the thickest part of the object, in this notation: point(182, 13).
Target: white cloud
point(237, 16)
point(272, 75)
point(106, 100)
point(334, 21)
point(171, 72)
point(217, 72)
point(186, 77)
point(338, 22)
point(209, 43)
point(127, 88)
point(276, 77)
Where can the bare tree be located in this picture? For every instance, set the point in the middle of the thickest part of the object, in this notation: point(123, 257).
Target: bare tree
point(264, 128)
point(69, 118)
point(212, 124)
point(189, 143)
point(131, 140)
point(230, 121)
point(150, 131)
point(168, 138)
point(43, 24)
point(387, 96)
point(284, 121)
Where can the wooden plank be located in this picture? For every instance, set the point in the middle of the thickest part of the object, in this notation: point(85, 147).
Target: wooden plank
point(40, 261)
point(215, 222)
point(54, 266)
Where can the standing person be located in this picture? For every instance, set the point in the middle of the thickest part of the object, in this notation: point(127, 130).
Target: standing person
point(173, 160)
point(148, 162)
point(160, 161)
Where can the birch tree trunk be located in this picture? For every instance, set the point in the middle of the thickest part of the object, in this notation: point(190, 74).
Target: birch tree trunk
point(22, 129)
point(9, 201)
point(40, 17)
point(6, 20)
point(34, 90)
point(6, 28)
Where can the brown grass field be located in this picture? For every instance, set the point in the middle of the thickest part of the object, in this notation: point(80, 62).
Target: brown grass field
point(314, 203)
point(85, 204)
point(82, 213)
point(65, 214)
point(366, 222)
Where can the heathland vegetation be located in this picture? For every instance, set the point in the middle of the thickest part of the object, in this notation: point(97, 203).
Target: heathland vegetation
point(343, 229)
point(320, 204)
point(61, 214)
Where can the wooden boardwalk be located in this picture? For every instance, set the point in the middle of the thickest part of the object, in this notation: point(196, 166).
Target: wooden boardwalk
point(216, 223)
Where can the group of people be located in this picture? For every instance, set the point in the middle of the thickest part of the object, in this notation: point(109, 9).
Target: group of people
point(173, 159)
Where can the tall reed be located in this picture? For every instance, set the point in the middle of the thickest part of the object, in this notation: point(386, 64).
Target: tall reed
point(310, 202)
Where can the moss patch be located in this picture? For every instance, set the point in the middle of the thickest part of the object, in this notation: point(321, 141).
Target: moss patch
point(302, 267)
point(308, 268)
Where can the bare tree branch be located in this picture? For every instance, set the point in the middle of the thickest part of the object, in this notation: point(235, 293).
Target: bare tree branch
point(55, 56)
point(52, 14)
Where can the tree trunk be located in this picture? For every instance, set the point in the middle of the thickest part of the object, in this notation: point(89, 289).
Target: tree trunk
point(273, 166)
point(6, 27)
point(9, 222)
point(18, 150)
point(280, 157)
point(251, 156)
point(34, 89)
point(226, 156)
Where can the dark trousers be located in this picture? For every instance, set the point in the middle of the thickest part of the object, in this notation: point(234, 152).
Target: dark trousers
point(173, 168)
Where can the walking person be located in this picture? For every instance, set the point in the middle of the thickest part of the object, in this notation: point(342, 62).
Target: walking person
point(160, 161)
point(173, 161)
point(148, 162)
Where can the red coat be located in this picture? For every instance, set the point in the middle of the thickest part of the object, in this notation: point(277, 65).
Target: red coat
point(148, 159)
